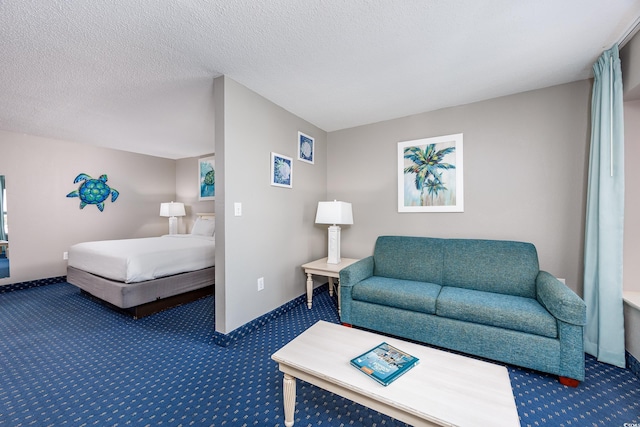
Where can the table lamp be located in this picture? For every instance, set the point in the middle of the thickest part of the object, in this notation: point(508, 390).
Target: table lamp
point(172, 210)
point(334, 213)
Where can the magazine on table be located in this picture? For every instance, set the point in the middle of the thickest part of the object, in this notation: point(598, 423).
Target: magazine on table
point(384, 363)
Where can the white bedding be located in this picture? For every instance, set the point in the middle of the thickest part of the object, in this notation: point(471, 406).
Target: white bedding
point(137, 260)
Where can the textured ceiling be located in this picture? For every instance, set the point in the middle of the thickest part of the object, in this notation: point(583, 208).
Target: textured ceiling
point(138, 75)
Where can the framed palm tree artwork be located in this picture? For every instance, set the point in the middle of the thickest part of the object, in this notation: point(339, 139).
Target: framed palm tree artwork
point(430, 175)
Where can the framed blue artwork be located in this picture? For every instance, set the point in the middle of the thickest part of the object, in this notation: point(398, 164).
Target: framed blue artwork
point(306, 147)
point(207, 178)
point(430, 175)
point(281, 171)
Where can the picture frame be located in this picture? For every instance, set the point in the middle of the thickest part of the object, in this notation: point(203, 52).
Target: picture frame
point(306, 148)
point(207, 178)
point(281, 170)
point(430, 174)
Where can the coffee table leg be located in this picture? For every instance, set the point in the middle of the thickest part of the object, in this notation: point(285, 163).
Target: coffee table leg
point(289, 391)
point(309, 289)
point(330, 286)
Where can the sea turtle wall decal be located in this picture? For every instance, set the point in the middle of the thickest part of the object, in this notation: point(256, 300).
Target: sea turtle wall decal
point(93, 191)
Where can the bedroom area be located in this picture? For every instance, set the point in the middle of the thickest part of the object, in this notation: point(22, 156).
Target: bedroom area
point(155, 271)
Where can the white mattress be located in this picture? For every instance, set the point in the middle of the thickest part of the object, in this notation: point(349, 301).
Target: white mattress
point(137, 260)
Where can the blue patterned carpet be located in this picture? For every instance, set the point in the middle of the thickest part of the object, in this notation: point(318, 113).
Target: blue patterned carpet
point(68, 361)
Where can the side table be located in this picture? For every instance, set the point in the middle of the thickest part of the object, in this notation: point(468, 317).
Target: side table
point(321, 268)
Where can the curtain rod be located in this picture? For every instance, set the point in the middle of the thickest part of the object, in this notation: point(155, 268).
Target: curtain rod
point(628, 35)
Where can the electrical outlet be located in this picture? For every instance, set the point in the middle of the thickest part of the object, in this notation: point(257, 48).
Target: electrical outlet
point(260, 283)
point(563, 281)
point(65, 255)
point(237, 209)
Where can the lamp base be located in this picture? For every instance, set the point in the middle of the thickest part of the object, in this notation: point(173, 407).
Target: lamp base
point(173, 225)
point(334, 245)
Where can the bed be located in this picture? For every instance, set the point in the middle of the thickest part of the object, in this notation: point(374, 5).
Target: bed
point(147, 275)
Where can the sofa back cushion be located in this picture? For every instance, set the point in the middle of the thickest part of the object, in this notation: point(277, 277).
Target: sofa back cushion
point(500, 266)
point(409, 258)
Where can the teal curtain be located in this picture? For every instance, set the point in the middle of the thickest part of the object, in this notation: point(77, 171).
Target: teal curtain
point(3, 236)
point(604, 332)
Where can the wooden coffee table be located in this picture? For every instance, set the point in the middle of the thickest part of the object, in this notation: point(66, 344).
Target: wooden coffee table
point(445, 389)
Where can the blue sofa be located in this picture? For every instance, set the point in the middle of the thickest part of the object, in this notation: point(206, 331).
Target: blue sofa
point(482, 297)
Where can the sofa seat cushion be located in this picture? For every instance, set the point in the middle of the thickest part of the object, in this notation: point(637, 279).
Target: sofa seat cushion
point(405, 294)
point(499, 310)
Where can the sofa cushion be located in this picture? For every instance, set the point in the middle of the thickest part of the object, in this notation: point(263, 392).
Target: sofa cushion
point(405, 294)
point(409, 258)
point(502, 311)
point(500, 266)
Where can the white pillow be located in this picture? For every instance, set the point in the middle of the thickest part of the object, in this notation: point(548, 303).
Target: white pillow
point(204, 227)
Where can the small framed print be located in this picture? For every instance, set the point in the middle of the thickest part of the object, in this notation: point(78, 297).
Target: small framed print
point(306, 147)
point(207, 178)
point(281, 171)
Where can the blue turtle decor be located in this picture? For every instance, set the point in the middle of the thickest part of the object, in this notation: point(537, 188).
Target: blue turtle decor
point(93, 191)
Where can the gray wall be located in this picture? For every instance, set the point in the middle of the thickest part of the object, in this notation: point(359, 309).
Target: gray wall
point(631, 266)
point(525, 160)
point(632, 196)
point(276, 232)
point(43, 222)
point(630, 63)
point(630, 56)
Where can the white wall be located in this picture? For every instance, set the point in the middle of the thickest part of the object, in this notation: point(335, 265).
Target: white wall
point(43, 222)
point(276, 232)
point(525, 160)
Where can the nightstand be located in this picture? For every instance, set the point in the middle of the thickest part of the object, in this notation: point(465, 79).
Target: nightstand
point(321, 268)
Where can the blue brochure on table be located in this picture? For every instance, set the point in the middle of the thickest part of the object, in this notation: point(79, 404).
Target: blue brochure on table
point(384, 363)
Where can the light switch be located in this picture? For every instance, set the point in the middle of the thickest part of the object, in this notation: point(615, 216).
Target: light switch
point(237, 208)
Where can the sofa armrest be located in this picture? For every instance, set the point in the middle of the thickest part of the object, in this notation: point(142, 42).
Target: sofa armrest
point(349, 276)
point(356, 272)
point(559, 300)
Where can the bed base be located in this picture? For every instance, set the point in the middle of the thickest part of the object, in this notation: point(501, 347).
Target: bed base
point(148, 297)
point(156, 306)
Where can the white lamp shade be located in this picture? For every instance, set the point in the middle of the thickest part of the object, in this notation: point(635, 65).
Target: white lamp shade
point(172, 209)
point(334, 213)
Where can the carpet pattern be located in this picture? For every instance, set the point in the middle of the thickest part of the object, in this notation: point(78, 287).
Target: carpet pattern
point(67, 361)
